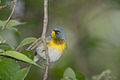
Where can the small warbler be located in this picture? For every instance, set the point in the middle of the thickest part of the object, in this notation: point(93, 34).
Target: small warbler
point(56, 43)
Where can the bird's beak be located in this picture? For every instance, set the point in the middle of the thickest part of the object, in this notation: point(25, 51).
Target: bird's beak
point(53, 33)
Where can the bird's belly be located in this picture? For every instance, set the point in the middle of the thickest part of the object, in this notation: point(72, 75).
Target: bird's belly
point(54, 54)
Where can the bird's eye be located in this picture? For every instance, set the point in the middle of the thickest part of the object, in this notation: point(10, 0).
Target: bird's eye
point(57, 32)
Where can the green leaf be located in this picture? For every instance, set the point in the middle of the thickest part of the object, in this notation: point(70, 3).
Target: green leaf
point(28, 54)
point(69, 74)
point(8, 68)
point(80, 76)
point(67, 78)
point(26, 41)
point(19, 56)
point(15, 29)
point(5, 46)
point(20, 75)
point(11, 23)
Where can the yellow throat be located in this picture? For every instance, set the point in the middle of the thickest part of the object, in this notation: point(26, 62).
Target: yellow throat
point(56, 43)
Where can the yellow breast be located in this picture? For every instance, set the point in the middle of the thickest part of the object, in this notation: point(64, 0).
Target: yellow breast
point(57, 44)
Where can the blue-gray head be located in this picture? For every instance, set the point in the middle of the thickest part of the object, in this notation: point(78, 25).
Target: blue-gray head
point(58, 33)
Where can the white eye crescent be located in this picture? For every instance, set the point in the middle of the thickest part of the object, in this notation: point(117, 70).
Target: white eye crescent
point(58, 32)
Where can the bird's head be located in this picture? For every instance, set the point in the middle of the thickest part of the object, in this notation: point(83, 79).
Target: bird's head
point(57, 33)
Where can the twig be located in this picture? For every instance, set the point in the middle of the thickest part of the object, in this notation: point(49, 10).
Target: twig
point(47, 63)
point(45, 22)
point(15, 1)
point(43, 36)
point(105, 75)
point(43, 39)
point(6, 5)
point(101, 75)
point(34, 44)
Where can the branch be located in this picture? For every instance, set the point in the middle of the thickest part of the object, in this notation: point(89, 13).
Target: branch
point(47, 62)
point(45, 22)
point(6, 5)
point(15, 1)
point(101, 75)
point(105, 75)
point(34, 44)
point(43, 39)
point(43, 36)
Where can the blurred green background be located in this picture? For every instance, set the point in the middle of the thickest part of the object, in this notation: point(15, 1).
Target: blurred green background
point(92, 28)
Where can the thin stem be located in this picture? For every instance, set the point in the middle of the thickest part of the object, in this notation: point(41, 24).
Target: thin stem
point(34, 44)
point(101, 75)
point(43, 39)
point(15, 1)
point(47, 63)
point(6, 5)
point(45, 23)
point(45, 18)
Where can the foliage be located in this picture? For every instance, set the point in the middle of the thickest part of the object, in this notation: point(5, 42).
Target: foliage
point(19, 56)
point(9, 68)
point(26, 41)
point(92, 29)
point(5, 46)
point(69, 74)
point(11, 24)
point(29, 54)
point(9, 56)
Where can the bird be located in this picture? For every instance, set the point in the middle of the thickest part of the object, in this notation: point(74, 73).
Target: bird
point(56, 43)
